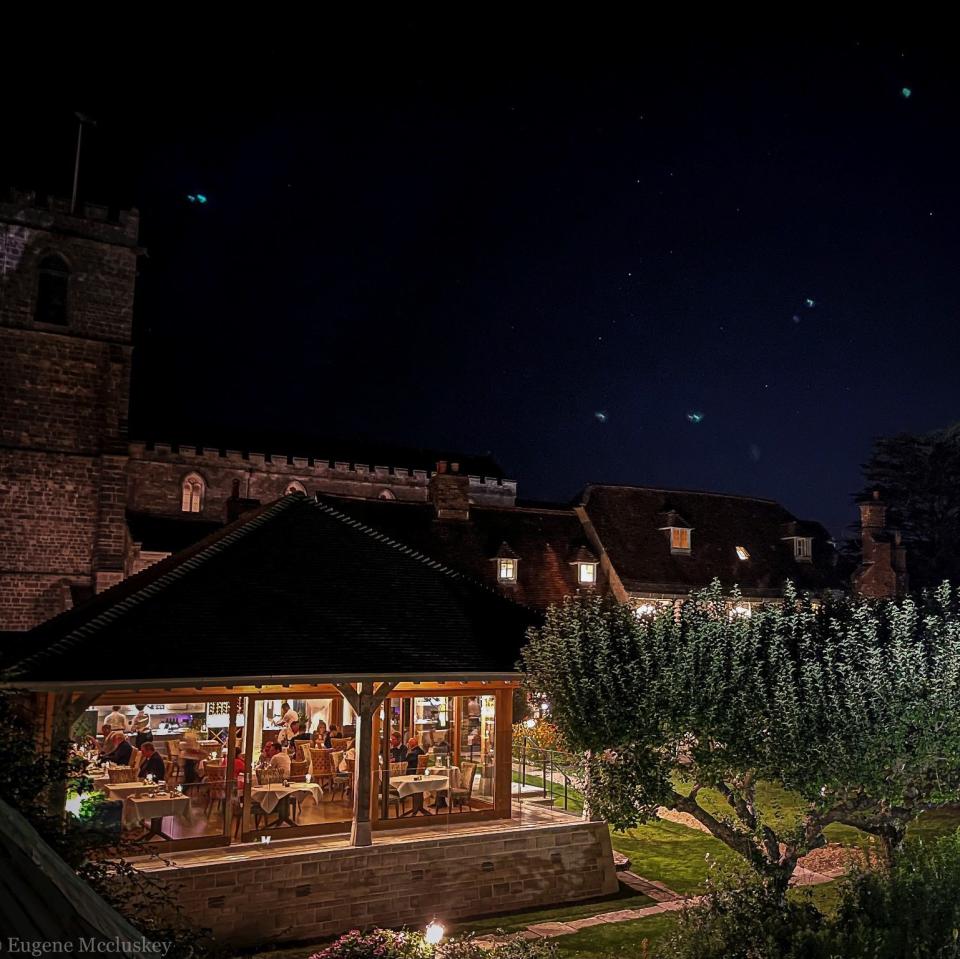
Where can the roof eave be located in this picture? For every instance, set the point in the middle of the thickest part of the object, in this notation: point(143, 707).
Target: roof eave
point(194, 682)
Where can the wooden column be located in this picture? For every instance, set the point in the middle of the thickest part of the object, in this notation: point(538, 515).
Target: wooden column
point(503, 745)
point(249, 715)
point(364, 700)
point(229, 777)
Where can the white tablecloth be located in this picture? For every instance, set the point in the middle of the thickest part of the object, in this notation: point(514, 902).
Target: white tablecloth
point(453, 772)
point(407, 785)
point(269, 796)
point(126, 790)
point(136, 809)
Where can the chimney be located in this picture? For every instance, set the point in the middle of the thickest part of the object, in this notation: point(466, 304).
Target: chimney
point(237, 505)
point(873, 513)
point(450, 493)
point(883, 568)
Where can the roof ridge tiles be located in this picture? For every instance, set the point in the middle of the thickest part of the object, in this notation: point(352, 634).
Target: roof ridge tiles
point(413, 553)
point(679, 489)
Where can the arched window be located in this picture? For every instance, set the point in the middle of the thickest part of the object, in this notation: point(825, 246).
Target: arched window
point(295, 487)
point(192, 498)
point(385, 494)
point(52, 286)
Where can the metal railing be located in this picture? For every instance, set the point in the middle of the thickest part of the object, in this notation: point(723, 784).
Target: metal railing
point(550, 770)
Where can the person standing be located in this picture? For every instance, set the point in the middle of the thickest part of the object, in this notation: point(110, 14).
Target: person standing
point(141, 726)
point(116, 720)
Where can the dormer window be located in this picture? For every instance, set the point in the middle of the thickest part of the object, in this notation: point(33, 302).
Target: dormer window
point(803, 549)
point(587, 574)
point(678, 529)
point(585, 561)
point(679, 539)
point(743, 553)
point(506, 560)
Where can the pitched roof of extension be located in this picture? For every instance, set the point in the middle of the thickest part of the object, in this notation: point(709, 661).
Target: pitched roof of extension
point(296, 590)
point(628, 521)
point(545, 540)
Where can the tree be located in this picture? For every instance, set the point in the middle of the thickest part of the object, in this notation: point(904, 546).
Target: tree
point(853, 707)
point(918, 477)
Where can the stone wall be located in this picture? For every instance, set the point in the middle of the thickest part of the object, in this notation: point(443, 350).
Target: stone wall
point(64, 399)
point(156, 475)
point(309, 895)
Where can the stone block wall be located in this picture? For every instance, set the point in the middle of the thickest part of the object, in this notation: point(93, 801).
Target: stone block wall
point(156, 474)
point(64, 401)
point(315, 894)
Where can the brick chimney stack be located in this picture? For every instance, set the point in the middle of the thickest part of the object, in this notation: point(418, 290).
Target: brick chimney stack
point(873, 513)
point(882, 573)
point(449, 492)
point(238, 505)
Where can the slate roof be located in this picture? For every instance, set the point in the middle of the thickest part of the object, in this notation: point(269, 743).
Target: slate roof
point(294, 590)
point(627, 520)
point(166, 534)
point(544, 540)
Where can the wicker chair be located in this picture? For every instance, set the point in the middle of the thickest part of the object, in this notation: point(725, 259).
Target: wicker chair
point(215, 786)
point(298, 770)
point(121, 774)
point(323, 768)
point(342, 744)
point(461, 794)
point(303, 747)
point(135, 757)
point(398, 769)
point(268, 776)
point(422, 763)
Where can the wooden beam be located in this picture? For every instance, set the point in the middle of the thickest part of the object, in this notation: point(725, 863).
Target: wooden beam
point(350, 695)
point(503, 752)
point(360, 830)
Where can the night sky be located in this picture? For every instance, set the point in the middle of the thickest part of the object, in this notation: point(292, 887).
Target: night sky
point(486, 249)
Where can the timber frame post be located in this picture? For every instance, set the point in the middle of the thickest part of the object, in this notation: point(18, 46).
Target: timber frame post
point(365, 700)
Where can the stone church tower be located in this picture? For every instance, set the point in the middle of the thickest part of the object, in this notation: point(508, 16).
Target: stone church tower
point(66, 310)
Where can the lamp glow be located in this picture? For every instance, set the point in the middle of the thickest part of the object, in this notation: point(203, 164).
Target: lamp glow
point(530, 723)
point(644, 609)
point(73, 805)
point(433, 933)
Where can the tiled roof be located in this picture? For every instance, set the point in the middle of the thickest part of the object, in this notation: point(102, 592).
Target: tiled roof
point(545, 541)
point(166, 534)
point(628, 521)
point(294, 589)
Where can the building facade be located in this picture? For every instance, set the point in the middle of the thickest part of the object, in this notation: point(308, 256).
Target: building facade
point(82, 506)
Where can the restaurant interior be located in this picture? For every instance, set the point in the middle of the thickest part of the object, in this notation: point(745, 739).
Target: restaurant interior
point(435, 751)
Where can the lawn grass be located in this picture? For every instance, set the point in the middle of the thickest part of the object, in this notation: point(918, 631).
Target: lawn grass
point(624, 898)
point(618, 940)
point(671, 853)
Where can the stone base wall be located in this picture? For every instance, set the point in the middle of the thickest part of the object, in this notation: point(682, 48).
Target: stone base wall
point(318, 893)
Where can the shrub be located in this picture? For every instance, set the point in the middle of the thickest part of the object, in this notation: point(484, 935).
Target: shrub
point(388, 944)
point(910, 909)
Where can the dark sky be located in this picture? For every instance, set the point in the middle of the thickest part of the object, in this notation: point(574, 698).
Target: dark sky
point(483, 249)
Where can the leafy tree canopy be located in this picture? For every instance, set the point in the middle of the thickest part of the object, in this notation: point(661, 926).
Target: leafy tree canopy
point(854, 706)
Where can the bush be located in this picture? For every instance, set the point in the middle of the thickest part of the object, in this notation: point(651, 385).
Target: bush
point(743, 916)
point(387, 944)
point(910, 909)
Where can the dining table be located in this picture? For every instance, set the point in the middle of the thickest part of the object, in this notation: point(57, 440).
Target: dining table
point(415, 787)
point(277, 796)
point(154, 809)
